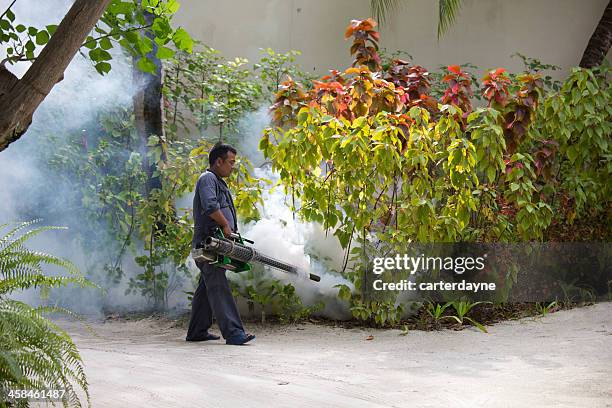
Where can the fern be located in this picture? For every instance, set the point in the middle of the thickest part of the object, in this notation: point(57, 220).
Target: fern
point(34, 352)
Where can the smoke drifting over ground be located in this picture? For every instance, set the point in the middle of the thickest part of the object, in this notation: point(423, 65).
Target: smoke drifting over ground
point(25, 190)
point(29, 189)
point(304, 245)
point(281, 235)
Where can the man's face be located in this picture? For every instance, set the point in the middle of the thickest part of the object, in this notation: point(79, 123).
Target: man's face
point(225, 166)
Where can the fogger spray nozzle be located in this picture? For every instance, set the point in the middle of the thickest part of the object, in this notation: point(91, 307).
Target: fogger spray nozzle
point(247, 254)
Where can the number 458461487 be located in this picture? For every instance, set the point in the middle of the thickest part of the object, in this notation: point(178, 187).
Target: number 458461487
point(31, 394)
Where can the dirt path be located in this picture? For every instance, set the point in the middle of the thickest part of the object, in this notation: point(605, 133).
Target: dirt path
point(561, 360)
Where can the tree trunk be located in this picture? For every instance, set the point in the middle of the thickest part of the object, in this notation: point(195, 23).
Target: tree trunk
point(149, 117)
point(19, 99)
point(148, 109)
point(600, 41)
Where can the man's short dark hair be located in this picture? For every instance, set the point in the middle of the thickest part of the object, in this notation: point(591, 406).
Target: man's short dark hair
point(220, 150)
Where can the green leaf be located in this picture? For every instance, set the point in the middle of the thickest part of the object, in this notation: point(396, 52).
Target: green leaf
point(122, 7)
point(99, 54)
point(182, 40)
point(479, 326)
point(90, 42)
point(161, 27)
point(264, 142)
point(172, 6)
point(106, 44)
point(29, 46)
point(345, 142)
point(472, 116)
point(491, 174)
point(303, 115)
point(144, 45)
point(51, 28)
point(146, 65)
point(572, 153)
point(103, 67)
point(164, 53)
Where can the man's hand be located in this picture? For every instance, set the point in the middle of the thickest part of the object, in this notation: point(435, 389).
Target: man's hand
point(222, 221)
point(227, 231)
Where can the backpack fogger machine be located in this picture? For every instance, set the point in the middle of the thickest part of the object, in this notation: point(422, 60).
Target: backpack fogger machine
point(234, 255)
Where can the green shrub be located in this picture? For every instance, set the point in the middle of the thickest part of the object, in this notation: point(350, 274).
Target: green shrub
point(375, 155)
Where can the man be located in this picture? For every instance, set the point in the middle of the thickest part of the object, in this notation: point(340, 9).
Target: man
point(213, 207)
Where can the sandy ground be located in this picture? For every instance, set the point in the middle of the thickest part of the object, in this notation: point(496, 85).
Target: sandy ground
point(561, 360)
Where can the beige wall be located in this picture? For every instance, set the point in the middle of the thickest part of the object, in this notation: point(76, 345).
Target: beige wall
point(486, 32)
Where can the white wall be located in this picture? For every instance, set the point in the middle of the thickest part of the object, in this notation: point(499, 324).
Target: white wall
point(486, 32)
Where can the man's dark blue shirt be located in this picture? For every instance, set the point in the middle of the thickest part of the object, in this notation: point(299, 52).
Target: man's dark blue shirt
point(211, 194)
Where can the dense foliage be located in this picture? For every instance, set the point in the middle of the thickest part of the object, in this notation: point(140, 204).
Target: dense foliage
point(371, 154)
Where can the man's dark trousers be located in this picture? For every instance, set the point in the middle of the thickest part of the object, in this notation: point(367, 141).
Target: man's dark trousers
point(213, 296)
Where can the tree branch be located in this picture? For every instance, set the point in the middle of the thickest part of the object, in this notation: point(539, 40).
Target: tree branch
point(20, 102)
point(16, 58)
point(113, 34)
point(7, 9)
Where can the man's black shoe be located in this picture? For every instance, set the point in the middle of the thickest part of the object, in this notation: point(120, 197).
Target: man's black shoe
point(240, 339)
point(207, 337)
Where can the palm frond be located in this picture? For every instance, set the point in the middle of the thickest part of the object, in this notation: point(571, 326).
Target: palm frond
point(447, 14)
point(380, 9)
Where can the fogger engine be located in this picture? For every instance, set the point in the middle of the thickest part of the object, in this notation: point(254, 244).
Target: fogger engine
point(232, 254)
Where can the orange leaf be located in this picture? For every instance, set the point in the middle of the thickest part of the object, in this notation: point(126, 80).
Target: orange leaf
point(370, 23)
point(455, 69)
point(348, 32)
point(354, 25)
